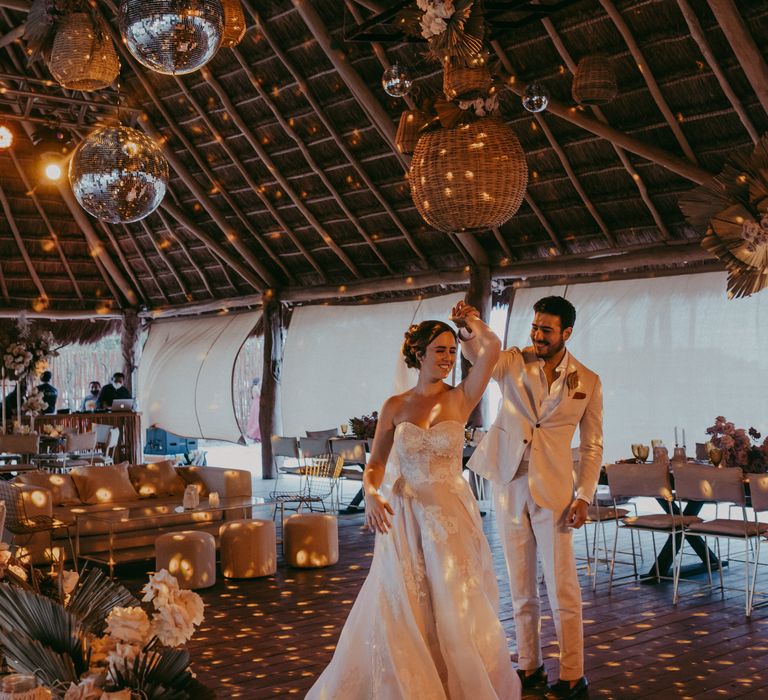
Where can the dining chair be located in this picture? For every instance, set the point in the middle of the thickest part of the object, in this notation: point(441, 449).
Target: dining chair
point(313, 447)
point(708, 484)
point(102, 433)
point(758, 494)
point(81, 448)
point(109, 448)
point(23, 524)
point(331, 432)
point(322, 474)
point(26, 446)
point(627, 480)
point(355, 455)
point(285, 448)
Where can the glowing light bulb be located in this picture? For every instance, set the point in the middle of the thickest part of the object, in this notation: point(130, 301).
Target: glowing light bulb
point(53, 171)
point(6, 137)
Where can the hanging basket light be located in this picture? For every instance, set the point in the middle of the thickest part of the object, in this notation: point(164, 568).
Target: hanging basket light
point(469, 178)
point(234, 23)
point(463, 82)
point(412, 121)
point(118, 174)
point(83, 57)
point(172, 36)
point(594, 82)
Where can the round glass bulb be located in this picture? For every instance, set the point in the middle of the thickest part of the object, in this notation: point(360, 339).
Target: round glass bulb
point(536, 97)
point(396, 81)
point(53, 171)
point(6, 137)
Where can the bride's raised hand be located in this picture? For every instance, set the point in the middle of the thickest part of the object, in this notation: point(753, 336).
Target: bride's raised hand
point(461, 312)
point(377, 512)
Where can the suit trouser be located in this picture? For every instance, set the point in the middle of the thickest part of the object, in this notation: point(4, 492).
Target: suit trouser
point(524, 528)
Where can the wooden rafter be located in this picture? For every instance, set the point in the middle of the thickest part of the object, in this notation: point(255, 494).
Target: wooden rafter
point(697, 34)
point(544, 222)
point(252, 185)
point(503, 243)
point(650, 80)
point(109, 283)
point(309, 158)
point(334, 133)
point(641, 188)
point(171, 268)
point(743, 45)
point(113, 241)
point(270, 165)
point(46, 221)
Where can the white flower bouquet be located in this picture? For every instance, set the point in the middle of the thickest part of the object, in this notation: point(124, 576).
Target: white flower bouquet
point(34, 404)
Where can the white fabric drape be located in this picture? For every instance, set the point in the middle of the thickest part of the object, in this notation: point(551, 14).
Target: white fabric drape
point(672, 351)
point(185, 377)
point(341, 361)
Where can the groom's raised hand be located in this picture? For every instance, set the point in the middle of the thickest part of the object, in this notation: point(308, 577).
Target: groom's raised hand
point(461, 312)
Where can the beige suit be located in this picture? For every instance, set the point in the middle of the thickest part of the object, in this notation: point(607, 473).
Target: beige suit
point(532, 501)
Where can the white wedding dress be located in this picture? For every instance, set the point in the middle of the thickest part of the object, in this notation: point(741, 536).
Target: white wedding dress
point(425, 624)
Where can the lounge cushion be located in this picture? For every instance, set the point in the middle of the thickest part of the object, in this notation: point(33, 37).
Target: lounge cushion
point(191, 475)
point(156, 479)
point(104, 484)
point(61, 486)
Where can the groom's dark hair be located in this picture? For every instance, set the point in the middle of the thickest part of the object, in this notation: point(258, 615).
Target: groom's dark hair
point(557, 306)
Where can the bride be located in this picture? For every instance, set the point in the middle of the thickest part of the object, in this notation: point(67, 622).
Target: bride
point(425, 623)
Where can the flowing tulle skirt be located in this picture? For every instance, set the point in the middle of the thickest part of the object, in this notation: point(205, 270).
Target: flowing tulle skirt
point(252, 429)
point(425, 624)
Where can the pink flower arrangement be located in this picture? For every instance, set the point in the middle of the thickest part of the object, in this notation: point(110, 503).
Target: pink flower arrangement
point(741, 448)
point(364, 427)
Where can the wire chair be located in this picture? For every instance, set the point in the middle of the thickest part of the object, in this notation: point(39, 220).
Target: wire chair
point(20, 524)
point(321, 478)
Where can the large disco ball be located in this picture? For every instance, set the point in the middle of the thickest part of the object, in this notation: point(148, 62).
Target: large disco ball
point(172, 36)
point(118, 174)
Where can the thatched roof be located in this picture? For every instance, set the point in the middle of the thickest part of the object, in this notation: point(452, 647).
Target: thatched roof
point(284, 176)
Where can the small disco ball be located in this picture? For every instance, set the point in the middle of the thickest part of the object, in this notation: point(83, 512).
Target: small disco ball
point(118, 174)
point(396, 81)
point(536, 97)
point(172, 36)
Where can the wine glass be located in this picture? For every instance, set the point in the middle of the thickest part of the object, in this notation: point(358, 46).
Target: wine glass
point(344, 428)
point(715, 456)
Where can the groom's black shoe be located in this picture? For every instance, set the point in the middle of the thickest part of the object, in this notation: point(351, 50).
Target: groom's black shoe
point(534, 679)
point(562, 690)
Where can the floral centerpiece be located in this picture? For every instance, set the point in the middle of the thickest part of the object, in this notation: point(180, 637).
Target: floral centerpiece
point(53, 430)
point(740, 447)
point(364, 428)
point(88, 638)
point(29, 353)
point(35, 403)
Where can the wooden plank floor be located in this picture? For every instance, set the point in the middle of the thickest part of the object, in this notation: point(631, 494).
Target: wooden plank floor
point(270, 638)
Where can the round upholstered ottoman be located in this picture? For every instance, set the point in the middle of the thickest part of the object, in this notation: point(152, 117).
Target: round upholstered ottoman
point(311, 540)
point(248, 548)
point(189, 555)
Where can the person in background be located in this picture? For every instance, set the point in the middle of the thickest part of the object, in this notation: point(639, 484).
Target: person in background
point(252, 430)
point(110, 392)
point(50, 392)
point(89, 401)
point(10, 403)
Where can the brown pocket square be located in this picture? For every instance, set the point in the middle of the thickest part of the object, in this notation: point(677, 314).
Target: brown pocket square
point(579, 395)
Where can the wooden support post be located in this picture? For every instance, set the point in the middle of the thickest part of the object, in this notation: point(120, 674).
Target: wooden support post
point(130, 347)
point(270, 409)
point(478, 295)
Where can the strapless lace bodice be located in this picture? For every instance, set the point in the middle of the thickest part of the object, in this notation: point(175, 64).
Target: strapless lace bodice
point(429, 455)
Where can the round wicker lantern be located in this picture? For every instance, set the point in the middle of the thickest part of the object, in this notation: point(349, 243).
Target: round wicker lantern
point(465, 81)
point(118, 174)
point(594, 82)
point(412, 121)
point(234, 23)
point(173, 37)
point(83, 58)
point(469, 178)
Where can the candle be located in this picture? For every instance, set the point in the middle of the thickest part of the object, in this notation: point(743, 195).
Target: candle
point(683, 437)
point(675, 436)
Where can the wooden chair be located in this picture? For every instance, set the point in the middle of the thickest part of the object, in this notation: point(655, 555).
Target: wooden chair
point(81, 449)
point(707, 484)
point(110, 447)
point(25, 446)
point(758, 494)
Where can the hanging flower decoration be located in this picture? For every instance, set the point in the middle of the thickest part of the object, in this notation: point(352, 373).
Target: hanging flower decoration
point(29, 353)
point(734, 210)
point(34, 404)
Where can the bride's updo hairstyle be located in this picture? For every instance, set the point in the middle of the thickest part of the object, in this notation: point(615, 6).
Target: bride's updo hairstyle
point(419, 336)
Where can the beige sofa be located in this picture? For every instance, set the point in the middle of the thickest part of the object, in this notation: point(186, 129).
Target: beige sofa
point(140, 500)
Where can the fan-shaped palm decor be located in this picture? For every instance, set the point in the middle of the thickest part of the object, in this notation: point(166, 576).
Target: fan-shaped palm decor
point(735, 212)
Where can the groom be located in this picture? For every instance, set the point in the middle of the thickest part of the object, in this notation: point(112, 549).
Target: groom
point(546, 395)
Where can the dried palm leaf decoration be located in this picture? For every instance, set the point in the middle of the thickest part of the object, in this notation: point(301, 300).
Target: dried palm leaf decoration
point(734, 210)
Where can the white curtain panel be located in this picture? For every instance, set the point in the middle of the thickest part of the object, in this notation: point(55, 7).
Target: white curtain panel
point(672, 351)
point(343, 361)
point(185, 377)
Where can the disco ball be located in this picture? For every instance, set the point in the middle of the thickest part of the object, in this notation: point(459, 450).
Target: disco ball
point(396, 81)
point(118, 174)
point(536, 97)
point(172, 36)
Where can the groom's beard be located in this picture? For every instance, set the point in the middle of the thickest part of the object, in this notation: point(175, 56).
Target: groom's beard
point(547, 350)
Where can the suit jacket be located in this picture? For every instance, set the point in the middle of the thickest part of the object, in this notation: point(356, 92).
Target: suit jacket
point(551, 476)
point(108, 394)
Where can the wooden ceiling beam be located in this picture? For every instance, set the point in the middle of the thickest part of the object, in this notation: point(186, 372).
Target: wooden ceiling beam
point(544, 222)
point(30, 192)
point(309, 158)
point(650, 80)
point(166, 262)
point(337, 137)
point(270, 165)
point(253, 187)
point(743, 45)
point(641, 188)
point(124, 262)
point(656, 155)
point(503, 243)
point(11, 36)
point(697, 34)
